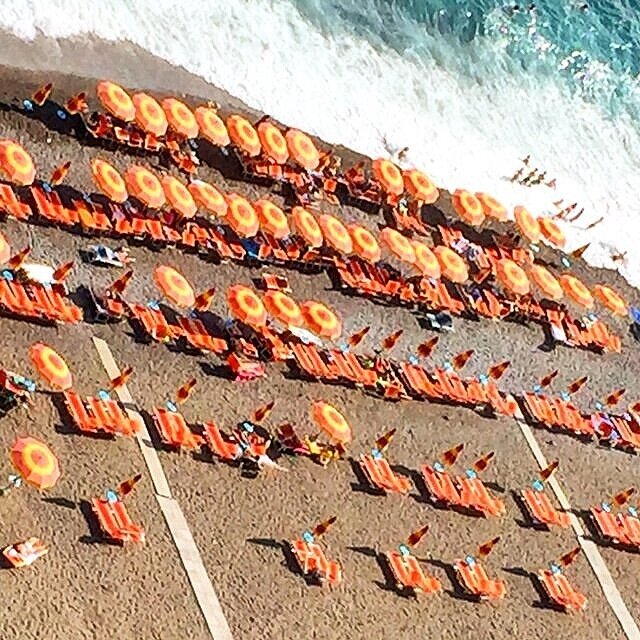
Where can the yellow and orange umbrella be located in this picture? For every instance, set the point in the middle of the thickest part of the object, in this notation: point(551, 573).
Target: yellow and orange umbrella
point(307, 227)
point(180, 118)
point(5, 249)
point(241, 216)
point(546, 282)
point(272, 219)
point(109, 180)
point(452, 266)
point(212, 128)
point(331, 421)
point(243, 135)
point(335, 233)
point(16, 163)
point(149, 114)
point(420, 186)
point(468, 207)
point(246, 305)
point(116, 100)
point(611, 299)
point(399, 245)
point(527, 224)
point(51, 366)
point(365, 244)
point(208, 197)
point(283, 308)
point(576, 290)
point(491, 207)
point(35, 462)
point(388, 176)
point(273, 142)
point(145, 186)
point(426, 262)
point(552, 232)
point(321, 320)
point(512, 277)
point(179, 197)
point(302, 149)
point(174, 286)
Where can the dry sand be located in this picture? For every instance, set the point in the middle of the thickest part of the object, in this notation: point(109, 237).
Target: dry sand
point(89, 590)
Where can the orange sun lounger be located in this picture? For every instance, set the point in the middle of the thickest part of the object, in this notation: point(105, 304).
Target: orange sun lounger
point(441, 486)
point(542, 510)
point(474, 495)
point(312, 561)
point(610, 526)
point(173, 429)
point(409, 574)
point(381, 476)
point(473, 578)
point(220, 445)
point(23, 554)
point(115, 521)
point(560, 590)
point(196, 334)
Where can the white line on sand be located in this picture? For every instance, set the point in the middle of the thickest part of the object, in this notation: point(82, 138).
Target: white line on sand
point(598, 566)
point(178, 527)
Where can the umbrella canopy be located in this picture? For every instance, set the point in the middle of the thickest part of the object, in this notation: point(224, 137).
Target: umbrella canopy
point(552, 232)
point(491, 207)
point(284, 308)
point(611, 299)
point(331, 421)
point(241, 216)
point(243, 135)
point(321, 320)
point(149, 114)
point(180, 118)
point(51, 366)
point(116, 100)
point(109, 180)
point(576, 290)
point(35, 463)
point(179, 197)
point(5, 250)
point(246, 305)
point(335, 234)
point(211, 126)
point(512, 277)
point(307, 227)
point(452, 266)
point(364, 243)
point(16, 163)
point(399, 245)
point(272, 219)
point(546, 282)
point(174, 286)
point(426, 262)
point(208, 197)
point(145, 186)
point(302, 149)
point(273, 142)
point(468, 207)
point(527, 224)
point(388, 176)
point(420, 186)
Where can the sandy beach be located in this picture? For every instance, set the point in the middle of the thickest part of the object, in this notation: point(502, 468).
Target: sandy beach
point(85, 589)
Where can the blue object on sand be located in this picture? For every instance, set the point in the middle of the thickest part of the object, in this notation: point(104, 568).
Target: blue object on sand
point(376, 454)
point(27, 105)
point(111, 496)
point(537, 389)
point(154, 304)
point(447, 366)
point(439, 467)
point(171, 406)
point(307, 536)
point(483, 379)
point(46, 186)
point(247, 426)
point(7, 275)
point(565, 261)
point(555, 569)
point(470, 560)
point(633, 512)
point(634, 312)
point(413, 359)
point(606, 507)
point(565, 396)
point(404, 550)
point(61, 114)
point(103, 394)
point(599, 406)
point(537, 485)
point(471, 474)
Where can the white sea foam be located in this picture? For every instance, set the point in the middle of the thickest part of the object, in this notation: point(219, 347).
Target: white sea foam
point(465, 133)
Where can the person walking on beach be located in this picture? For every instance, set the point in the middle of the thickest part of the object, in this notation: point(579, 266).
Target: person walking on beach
point(517, 175)
point(537, 179)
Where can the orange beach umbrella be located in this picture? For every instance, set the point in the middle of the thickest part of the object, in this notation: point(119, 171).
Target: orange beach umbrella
point(331, 421)
point(208, 197)
point(180, 118)
point(116, 100)
point(552, 232)
point(51, 366)
point(145, 186)
point(16, 163)
point(212, 128)
point(452, 265)
point(468, 207)
point(576, 290)
point(546, 282)
point(302, 149)
point(491, 207)
point(420, 186)
point(426, 262)
point(335, 233)
point(273, 142)
point(307, 227)
point(398, 244)
point(5, 249)
point(109, 180)
point(246, 305)
point(149, 114)
point(35, 462)
point(284, 308)
point(174, 286)
point(243, 135)
point(321, 320)
point(611, 299)
point(241, 216)
point(365, 244)
point(529, 227)
point(272, 219)
point(512, 277)
point(388, 176)
point(179, 197)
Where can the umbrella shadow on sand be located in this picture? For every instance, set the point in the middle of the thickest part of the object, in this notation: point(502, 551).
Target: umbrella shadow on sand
point(60, 501)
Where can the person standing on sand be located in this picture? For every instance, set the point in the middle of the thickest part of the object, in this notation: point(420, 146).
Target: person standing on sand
point(517, 175)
